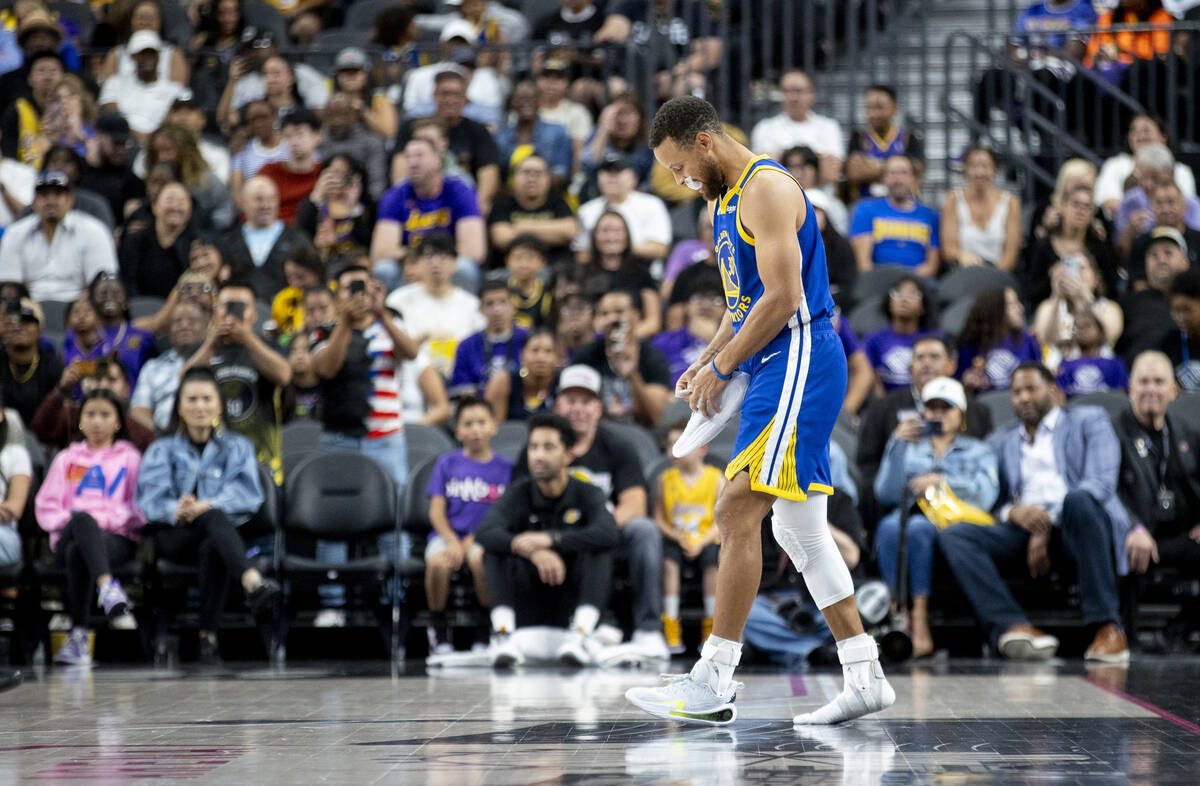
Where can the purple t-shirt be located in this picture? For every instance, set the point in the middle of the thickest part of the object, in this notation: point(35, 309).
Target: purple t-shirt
point(850, 343)
point(419, 216)
point(685, 254)
point(1002, 359)
point(1081, 376)
point(681, 349)
point(891, 354)
point(470, 488)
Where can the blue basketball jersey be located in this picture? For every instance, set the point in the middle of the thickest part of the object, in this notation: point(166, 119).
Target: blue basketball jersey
point(739, 265)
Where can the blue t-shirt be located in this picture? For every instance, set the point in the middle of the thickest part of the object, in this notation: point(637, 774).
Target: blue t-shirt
point(419, 216)
point(1081, 376)
point(681, 349)
point(1040, 19)
point(470, 488)
point(900, 237)
point(891, 354)
point(475, 358)
point(1001, 359)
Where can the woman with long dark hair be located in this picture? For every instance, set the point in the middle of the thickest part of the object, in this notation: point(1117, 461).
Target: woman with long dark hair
point(212, 208)
point(612, 265)
point(911, 315)
point(199, 484)
point(87, 505)
point(994, 341)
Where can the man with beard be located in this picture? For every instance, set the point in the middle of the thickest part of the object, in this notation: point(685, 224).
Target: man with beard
point(56, 251)
point(250, 371)
point(548, 546)
point(1058, 500)
point(143, 97)
point(896, 229)
point(778, 331)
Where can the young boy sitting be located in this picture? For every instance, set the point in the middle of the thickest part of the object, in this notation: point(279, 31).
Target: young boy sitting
point(463, 486)
point(683, 510)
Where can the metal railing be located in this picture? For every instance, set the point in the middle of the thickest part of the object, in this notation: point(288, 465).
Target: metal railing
point(1087, 115)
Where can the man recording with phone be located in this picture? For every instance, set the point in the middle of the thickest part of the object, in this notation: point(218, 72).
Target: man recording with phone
point(250, 372)
point(357, 359)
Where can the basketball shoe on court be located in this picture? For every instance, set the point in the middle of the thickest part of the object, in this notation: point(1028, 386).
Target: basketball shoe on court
point(689, 698)
point(866, 689)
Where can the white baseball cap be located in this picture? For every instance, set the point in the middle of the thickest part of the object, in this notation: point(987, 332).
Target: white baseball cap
point(579, 376)
point(945, 389)
point(143, 40)
point(458, 28)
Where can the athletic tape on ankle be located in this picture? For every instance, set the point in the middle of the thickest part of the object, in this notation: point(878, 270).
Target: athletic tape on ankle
point(726, 653)
point(859, 653)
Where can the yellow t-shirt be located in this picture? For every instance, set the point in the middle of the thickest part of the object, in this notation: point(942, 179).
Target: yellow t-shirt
point(690, 508)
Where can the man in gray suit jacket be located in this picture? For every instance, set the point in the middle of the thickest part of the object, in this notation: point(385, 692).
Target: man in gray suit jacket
point(1058, 496)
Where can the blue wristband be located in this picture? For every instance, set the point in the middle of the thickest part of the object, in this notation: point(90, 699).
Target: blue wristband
point(725, 377)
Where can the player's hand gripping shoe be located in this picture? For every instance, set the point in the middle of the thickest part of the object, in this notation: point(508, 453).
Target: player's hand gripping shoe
point(701, 429)
point(689, 698)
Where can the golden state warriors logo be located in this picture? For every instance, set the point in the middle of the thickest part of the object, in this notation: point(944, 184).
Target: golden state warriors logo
point(729, 274)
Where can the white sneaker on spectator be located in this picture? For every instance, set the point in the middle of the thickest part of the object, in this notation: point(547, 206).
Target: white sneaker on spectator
point(442, 648)
point(124, 622)
point(59, 622)
point(504, 652)
point(576, 650)
point(330, 618)
point(652, 644)
point(75, 650)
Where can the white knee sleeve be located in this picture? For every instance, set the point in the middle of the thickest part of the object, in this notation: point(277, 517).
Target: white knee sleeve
point(802, 530)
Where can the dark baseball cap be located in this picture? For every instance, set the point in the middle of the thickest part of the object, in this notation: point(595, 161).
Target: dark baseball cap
point(113, 124)
point(615, 162)
point(52, 178)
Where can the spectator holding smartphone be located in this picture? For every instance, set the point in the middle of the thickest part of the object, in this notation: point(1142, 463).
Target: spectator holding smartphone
point(924, 454)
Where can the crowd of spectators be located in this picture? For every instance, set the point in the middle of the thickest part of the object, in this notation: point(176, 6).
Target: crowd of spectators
point(206, 238)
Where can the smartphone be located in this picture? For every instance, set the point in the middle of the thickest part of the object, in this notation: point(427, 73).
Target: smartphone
point(12, 306)
point(87, 367)
point(358, 287)
point(931, 428)
point(236, 309)
point(618, 337)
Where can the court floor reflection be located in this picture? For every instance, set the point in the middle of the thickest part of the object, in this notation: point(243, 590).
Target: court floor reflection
point(967, 721)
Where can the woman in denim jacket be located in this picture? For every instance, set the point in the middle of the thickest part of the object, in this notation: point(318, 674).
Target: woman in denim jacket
point(200, 483)
point(917, 462)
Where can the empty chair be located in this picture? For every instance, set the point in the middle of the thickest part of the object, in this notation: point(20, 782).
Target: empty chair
point(343, 498)
point(415, 519)
point(953, 318)
point(878, 281)
point(678, 409)
point(360, 16)
point(999, 403)
point(1114, 402)
point(424, 442)
point(967, 282)
point(638, 438)
point(55, 312)
point(867, 317)
point(1187, 406)
point(511, 438)
point(145, 306)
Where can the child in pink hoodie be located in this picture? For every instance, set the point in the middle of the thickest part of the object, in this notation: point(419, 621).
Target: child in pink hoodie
point(86, 504)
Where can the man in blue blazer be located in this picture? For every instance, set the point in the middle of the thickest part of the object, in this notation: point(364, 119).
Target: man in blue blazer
point(1058, 496)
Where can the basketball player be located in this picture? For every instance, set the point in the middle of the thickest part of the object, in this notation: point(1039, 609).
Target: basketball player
point(777, 329)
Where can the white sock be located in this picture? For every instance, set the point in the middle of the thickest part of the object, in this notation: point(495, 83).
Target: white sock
point(504, 619)
point(866, 690)
point(710, 606)
point(718, 658)
point(671, 606)
point(585, 619)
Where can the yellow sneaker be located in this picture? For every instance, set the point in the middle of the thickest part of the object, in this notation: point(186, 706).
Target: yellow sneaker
point(705, 629)
point(673, 633)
